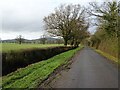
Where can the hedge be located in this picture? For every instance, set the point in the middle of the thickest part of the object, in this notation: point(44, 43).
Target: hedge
point(13, 60)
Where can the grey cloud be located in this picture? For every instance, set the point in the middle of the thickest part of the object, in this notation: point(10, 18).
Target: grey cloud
point(25, 16)
point(18, 26)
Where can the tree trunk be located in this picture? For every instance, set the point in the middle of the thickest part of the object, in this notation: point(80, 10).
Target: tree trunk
point(20, 42)
point(92, 44)
point(65, 43)
point(98, 43)
point(72, 42)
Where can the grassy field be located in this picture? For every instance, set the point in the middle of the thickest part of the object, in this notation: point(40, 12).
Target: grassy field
point(32, 75)
point(7, 47)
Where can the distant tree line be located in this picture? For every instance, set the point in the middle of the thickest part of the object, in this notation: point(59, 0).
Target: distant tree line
point(42, 40)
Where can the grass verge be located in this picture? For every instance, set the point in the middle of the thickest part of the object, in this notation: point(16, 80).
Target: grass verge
point(0, 82)
point(107, 56)
point(32, 75)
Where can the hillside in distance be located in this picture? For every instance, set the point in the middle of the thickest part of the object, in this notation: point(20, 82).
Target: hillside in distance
point(49, 39)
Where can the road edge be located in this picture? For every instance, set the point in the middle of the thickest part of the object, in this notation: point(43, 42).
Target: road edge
point(114, 61)
point(57, 71)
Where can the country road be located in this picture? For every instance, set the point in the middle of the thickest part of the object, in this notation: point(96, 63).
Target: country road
point(89, 70)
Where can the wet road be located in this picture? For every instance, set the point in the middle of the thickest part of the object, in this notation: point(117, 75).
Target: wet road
point(89, 70)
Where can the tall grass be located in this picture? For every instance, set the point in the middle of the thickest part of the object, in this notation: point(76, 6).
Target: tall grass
point(110, 46)
point(107, 56)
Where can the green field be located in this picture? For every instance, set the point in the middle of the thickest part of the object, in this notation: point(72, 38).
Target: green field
point(7, 47)
point(32, 75)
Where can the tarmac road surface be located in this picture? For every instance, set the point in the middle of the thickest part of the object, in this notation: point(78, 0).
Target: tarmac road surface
point(89, 70)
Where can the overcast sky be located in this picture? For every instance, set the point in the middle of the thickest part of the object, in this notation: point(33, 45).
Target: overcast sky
point(25, 17)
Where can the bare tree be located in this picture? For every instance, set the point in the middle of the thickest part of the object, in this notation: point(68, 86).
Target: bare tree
point(20, 39)
point(43, 39)
point(79, 31)
point(61, 22)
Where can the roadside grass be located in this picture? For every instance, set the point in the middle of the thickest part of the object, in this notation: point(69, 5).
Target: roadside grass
point(7, 47)
point(107, 56)
point(32, 75)
point(0, 82)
